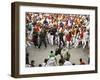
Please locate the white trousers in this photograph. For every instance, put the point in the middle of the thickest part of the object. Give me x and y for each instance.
(76, 43)
(51, 39)
(84, 43)
(28, 44)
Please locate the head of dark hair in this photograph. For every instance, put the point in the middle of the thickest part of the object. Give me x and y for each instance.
(73, 64)
(45, 60)
(51, 52)
(40, 65)
(32, 61)
(80, 59)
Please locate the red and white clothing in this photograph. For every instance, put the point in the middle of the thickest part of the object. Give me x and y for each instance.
(68, 40)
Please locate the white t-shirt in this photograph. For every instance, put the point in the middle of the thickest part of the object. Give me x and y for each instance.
(51, 62)
(67, 63)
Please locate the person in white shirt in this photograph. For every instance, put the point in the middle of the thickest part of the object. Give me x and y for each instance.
(67, 63)
(85, 39)
(77, 40)
(52, 61)
(57, 39)
(74, 40)
(48, 37)
(51, 39)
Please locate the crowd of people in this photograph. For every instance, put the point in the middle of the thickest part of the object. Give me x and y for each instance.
(65, 30)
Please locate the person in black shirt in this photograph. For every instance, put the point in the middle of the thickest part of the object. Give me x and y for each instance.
(35, 39)
(27, 58)
(54, 30)
(61, 34)
(45, 22)
(32, 63)
(42, 38)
